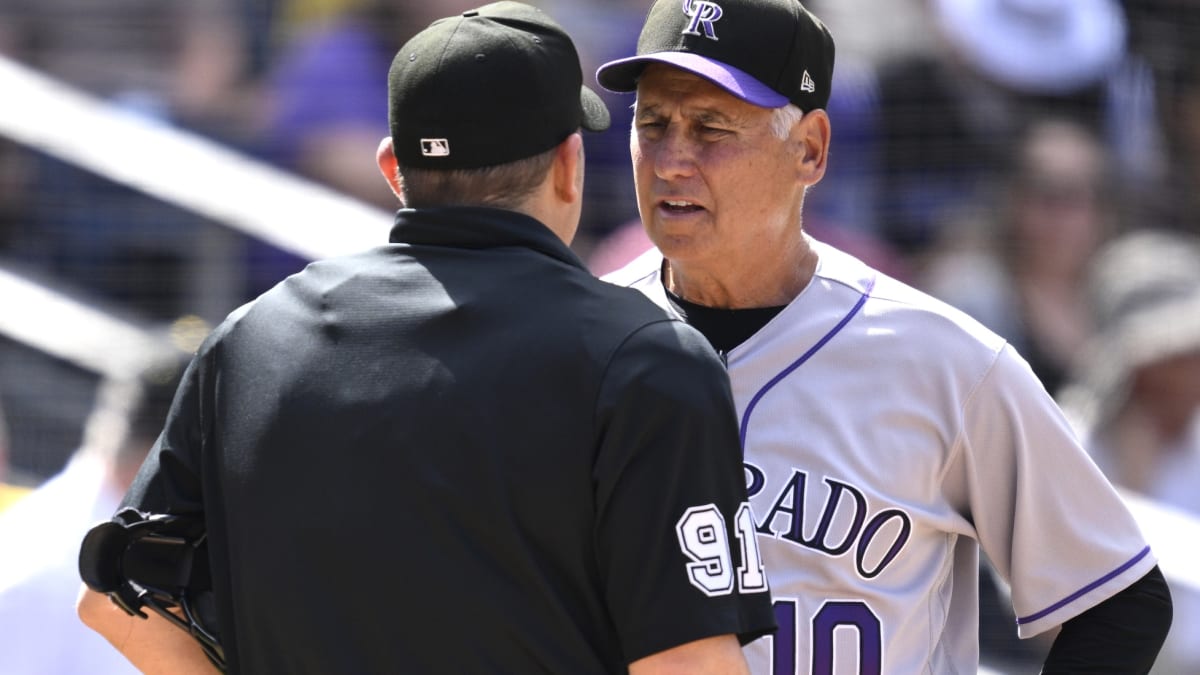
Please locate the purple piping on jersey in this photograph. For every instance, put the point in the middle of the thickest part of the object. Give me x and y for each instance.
(1099, 582)
(800, 361)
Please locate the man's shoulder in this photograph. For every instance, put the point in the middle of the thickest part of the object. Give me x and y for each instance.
(631, 310)
(647, 326)
(641, 279)
(639, 272)
(298, 290)
(910, 315)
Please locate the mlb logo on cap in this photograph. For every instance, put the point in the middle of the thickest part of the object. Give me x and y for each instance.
(435, 147)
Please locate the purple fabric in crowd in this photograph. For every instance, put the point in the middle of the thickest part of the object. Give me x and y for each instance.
(333, 77)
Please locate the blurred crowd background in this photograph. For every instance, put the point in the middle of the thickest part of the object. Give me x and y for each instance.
(1034, 162)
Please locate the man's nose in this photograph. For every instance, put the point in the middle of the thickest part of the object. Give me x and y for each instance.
(675, 154)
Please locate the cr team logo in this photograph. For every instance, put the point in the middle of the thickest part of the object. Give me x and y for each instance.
(704, 13)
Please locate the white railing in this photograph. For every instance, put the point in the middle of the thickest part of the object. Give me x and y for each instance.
(183, 168)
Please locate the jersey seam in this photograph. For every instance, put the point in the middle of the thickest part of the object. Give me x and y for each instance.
(855, 310)
(956, 447)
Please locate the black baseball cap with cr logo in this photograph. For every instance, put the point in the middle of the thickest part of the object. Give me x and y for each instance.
(765, 52)
(491, 86)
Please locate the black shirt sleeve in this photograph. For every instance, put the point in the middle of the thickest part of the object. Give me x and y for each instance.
(168, 481)
(1120, 635)
(672, 515)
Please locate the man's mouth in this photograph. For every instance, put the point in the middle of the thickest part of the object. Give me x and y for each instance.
(680, 206)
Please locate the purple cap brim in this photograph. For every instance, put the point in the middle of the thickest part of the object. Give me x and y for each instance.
(621, 76)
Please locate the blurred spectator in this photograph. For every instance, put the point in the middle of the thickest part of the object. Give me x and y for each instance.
(12, 190)
(325, 113)
(1163, 37)
(951, 113)
(1135, 396)
(177, 60)
(178, 63)
(1023, 272)
(604, 31)
(9, 493)
(40, 633)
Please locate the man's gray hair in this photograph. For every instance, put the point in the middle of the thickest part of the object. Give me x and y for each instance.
(783, 119)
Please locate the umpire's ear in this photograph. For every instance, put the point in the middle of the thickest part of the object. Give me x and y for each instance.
(568, 169)
(390, 167)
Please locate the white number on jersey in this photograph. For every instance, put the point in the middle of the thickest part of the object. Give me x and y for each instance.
(704, 540)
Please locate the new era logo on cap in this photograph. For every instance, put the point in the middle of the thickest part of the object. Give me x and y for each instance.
(807, 84)
(435, 147)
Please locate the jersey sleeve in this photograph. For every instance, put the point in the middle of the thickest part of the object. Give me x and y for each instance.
(1045, 515)
(675, 537)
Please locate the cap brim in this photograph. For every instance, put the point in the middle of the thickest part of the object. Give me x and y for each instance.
(622, 76)
(595, 113)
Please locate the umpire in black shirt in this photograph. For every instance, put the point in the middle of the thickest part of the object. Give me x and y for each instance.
(458, 452)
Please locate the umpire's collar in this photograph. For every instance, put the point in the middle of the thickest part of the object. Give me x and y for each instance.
(478, 227)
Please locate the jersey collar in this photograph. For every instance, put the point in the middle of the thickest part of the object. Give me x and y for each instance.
(475, 227)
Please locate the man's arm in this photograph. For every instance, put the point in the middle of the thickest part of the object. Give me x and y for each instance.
(153, 644)
(719, 655)
(1120, 635)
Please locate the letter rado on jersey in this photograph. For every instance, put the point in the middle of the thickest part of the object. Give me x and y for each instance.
(874, 538)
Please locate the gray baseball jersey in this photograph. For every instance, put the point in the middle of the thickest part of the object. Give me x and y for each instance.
(887, 438)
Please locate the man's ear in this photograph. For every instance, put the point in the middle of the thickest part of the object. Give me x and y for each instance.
(568, 163)
(811, 134)
(389, 167)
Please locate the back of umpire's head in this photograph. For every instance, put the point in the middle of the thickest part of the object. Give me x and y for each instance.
(493, 86)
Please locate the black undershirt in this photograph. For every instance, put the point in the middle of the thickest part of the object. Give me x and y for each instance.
(724, 328)
(1120, 635)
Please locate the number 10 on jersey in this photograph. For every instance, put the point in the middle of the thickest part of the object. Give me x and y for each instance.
(853, 616)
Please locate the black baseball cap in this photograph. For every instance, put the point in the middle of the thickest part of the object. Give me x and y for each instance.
(494, 85)
(765, 52)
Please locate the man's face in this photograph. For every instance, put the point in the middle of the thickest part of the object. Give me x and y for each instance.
(716, 187)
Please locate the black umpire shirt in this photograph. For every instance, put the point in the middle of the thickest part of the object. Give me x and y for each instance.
(459, 453)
